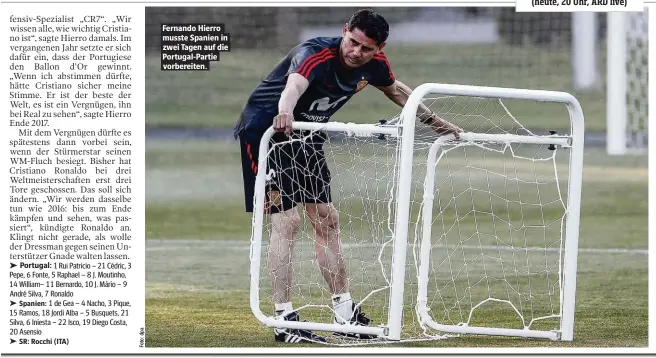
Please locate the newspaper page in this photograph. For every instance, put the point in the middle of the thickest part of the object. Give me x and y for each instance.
(267, 178)
(73, 109)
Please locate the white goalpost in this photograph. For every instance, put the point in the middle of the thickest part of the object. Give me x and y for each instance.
(627, 83)
(442, 237)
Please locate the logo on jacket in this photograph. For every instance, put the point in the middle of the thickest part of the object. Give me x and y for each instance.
(362, 84)
(324, 104)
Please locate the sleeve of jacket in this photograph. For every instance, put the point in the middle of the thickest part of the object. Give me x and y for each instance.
(311, 61)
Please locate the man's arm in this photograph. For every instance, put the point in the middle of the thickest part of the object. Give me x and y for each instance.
(399, 93)
(296, 85)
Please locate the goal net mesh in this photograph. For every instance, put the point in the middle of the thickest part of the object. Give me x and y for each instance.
(637, 67)
(496, 229)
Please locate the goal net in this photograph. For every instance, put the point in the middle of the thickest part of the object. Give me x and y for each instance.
(628, 72)
(476, 236)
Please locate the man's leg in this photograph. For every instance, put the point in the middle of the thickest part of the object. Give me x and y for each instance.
(324, 218)
(328, 249)
(327, 246)
(284, 217)
(285, 224)
(281, 246)
(282, 197)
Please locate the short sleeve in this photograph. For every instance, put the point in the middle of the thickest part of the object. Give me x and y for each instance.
(311, 61)
(383, 75)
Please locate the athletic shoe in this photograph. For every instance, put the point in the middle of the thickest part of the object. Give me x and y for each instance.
(287, 335)
(358, 319)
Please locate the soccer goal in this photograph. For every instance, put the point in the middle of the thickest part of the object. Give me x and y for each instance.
(627, 85)
(442, 238)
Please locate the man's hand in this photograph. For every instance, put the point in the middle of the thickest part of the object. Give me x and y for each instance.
(399, 93)
(283, 123)
(443, 127)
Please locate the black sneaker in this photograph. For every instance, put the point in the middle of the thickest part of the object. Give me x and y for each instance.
(287, 335)
(358, 319)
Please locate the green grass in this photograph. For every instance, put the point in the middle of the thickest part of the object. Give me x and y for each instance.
(215, 98)
(197, 252)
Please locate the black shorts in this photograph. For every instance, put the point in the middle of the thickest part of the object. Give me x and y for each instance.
(301, 173)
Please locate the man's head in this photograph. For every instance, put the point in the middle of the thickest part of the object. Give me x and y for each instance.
(364, 35)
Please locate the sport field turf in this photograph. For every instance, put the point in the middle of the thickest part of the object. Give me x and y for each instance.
(197, 256)
(215, 98)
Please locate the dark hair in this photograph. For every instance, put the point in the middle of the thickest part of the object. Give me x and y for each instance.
(372, 24)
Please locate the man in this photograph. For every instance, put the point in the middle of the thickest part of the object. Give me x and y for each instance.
(310, 84)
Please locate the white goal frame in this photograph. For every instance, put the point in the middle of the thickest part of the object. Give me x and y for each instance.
(392, 330)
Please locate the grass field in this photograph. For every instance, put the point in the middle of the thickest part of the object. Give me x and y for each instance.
(215, 98)
(197, 251)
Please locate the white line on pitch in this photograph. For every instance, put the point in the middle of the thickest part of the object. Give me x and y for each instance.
(245, 246)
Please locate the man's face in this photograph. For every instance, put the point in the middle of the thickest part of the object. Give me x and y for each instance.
(357, 49)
